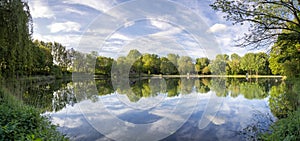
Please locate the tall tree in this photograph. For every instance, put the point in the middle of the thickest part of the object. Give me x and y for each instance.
(185, 65)
(262, 64)
(234, 63)
(173, 58)
(15, 40)
(285, 58)
(167, 67)
(219, 65)
(62, 56)
(103, 65)
(201, 63)
(134, 59)
(248, 62)
(267, 19)
(151, 63)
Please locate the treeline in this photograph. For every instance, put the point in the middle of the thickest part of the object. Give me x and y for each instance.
(136, 63)
(19, 54)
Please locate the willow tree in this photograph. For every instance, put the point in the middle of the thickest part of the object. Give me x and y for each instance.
(15, 40)
(266, 19)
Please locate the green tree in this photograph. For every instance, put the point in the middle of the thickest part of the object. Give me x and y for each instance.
(201, 63)
(234, 63)
(103, 65)
(248, 62)
(173, 58)
(284, 57)
(61, 56)
(134, 59)
(262, 63)
(185, 65)
(267, 19)
(43, 59)
(219, 65)
(15, 38)
(206, 70)
(151, 63)
(167, 67)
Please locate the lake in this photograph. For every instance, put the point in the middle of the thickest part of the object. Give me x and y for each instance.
(162, 109)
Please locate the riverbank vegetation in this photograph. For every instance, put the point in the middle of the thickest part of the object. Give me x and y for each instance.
(22, 122)
(276, 24)
(138, 64)
(21, 58)
(273, 23)
(19, 54)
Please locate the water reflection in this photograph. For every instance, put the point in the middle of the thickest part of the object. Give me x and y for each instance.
(222, 87)
(152, 107)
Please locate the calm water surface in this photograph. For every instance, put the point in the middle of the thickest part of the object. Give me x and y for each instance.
(161, 109)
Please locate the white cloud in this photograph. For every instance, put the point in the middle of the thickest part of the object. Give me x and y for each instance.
(120, 36)
(102, 5)
(72, 10)
(169, 32)
(70, 40)
(161, 25)
(39, 9)
(64, 27)
(217, 28)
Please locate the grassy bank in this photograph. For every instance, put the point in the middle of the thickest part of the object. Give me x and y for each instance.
(286, 129)
(22, 122)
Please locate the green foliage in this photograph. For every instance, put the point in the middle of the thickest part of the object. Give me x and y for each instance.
(167, 67)
(219, 65)
(286, 129)
(267, 19)
(103, 65)
(19, 55)
(284, 98)
(56, 71)
(138, 63)
(151, 63)
(185, 65)
(202, 63)
(234, 64)
(248, 62)
(15, 40)
(284, 58)
(20, 122)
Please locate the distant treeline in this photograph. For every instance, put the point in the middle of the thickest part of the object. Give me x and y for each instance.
(136, 64)
(19, 54)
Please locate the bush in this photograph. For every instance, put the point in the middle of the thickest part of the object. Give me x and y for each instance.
(287, 129)
(21, 122)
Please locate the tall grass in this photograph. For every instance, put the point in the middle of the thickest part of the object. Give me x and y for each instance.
(21, 122)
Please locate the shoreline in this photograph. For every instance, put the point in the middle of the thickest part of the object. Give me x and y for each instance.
(219, 76)
(196, 76)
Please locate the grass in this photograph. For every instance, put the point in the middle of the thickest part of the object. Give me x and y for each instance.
(22, 122)
(286, 129)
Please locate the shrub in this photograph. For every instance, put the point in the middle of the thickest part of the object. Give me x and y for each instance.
(21, 122)
(287, 129)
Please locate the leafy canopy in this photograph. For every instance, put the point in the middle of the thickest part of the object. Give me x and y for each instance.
(267, 19)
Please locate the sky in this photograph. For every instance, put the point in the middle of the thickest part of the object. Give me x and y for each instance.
(113, 27)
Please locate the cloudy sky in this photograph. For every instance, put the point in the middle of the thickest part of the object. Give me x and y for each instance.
(113, 27)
